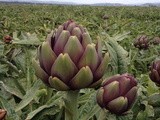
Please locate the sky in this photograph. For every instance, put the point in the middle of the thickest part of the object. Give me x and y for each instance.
(109, 1)
(103, 1)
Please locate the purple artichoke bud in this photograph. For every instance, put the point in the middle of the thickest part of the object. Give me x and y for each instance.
(118, 93)
(68, 60)
(142, 42)
(156, 40)
(2, 114)
(155, 72)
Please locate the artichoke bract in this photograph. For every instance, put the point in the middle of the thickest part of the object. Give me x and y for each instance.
(2, 114)
(155, 72)
(118, 93)
(142, 42)
(69, 60)
(156, 40)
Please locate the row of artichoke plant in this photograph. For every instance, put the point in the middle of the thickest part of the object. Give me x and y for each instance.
(69, 61)
(143, 42)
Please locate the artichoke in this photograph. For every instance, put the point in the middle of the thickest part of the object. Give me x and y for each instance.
(156, 40)
(155, 72)
(2, 114)
(7, 39)
(142, 42)
(118, 93)
(68, 60)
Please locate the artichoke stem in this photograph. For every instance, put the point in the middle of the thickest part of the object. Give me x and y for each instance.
(71, 106)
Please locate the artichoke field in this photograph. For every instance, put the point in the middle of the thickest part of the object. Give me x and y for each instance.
(91, 67)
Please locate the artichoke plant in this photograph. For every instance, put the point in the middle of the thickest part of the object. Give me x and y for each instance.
(156, 40)
(7, 39)
(69, 60)
(118, 93)
(2, 114)
(155, 72)
(142, 42)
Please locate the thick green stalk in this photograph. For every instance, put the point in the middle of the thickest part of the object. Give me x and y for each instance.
(71, 106)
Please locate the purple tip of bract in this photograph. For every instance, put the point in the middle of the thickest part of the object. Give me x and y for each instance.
(2, 114)
(119, 94)
(66, 24)
(66, 56)
(155, 72)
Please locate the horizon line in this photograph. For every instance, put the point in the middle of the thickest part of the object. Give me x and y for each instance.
(78, 3)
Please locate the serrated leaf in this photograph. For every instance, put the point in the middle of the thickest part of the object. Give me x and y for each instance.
(89, 109)
(119, 56)
(8, 64)
(1, 49)
(147, 113)
(3, 68)
(11, 90)
(47, 112)
(120, 37)
(154, 100)
(11, 114)
(141, 116)
(29, 96)
(122, 56)
(86, 94)
(101, 115)
(113, 64)
(111, 117)
(150, 111)
(127, 116)
(26, 39)
(91, 113)
(157, 111)
(45, 108)
(20, 62)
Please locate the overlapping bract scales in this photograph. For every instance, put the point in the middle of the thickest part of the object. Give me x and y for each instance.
(142, 42)
(118, 93)
(156, 41)
(68, 60)
(3, 114)
(155, 72)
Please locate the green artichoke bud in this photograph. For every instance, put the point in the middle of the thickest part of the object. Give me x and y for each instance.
(118, 93)
(68, 60)
(142, 42)
(155, 72)
(2, 114)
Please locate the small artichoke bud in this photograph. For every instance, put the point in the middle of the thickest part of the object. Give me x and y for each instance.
(7, 39)
(118, 93)
(69, 60)
(141, 42)
(156, 41)
(155, 72)
(2, 114)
